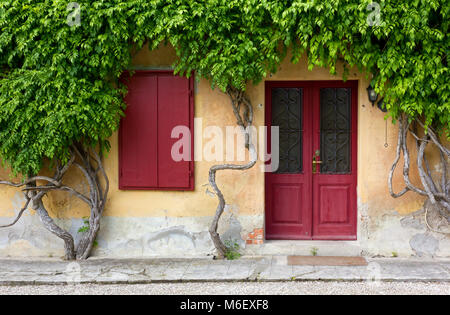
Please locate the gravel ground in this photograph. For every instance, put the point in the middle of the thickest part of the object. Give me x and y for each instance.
(237, 288)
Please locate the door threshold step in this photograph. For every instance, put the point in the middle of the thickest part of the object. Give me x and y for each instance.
(306, 248)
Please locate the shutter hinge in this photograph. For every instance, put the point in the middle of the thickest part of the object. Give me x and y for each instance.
(191, 92)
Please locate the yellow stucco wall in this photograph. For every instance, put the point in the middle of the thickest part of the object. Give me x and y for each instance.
(245, 190)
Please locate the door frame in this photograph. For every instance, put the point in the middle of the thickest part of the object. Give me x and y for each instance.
(353, 84)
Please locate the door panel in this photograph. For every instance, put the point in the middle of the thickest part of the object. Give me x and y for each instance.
(333, 204)
(288, 190)
(285, 223)
(306, 199)
(334, 185)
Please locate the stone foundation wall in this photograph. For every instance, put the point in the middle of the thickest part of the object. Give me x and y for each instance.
(386, 236)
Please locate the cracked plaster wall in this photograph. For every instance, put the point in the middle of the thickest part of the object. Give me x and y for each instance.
(175, 224)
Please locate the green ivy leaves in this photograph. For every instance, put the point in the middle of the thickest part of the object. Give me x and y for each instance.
(60, 84)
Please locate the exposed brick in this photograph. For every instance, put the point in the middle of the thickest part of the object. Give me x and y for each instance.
(256, 237)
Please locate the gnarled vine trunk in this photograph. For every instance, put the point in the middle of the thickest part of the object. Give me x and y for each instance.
(243, 111)
(436, 188)
(89, 162)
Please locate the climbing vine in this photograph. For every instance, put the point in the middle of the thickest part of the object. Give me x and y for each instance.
(59, 78)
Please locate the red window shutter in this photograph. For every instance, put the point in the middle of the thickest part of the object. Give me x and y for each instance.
(157, 102)
(173, 110)
(138, 134)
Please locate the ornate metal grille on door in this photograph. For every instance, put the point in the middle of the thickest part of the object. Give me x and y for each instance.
(287, 114)
(335, 130)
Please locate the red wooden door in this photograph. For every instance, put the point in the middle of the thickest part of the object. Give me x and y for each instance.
(312, 195)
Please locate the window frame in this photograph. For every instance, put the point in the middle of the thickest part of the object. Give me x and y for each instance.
(191, 172)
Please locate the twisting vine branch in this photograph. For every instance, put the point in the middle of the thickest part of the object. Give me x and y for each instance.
(98, 196)
(243, 111)
(25, 207)
(436, 192)
(89, 162)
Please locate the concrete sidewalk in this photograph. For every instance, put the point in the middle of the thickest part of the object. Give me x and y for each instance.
(269, 268)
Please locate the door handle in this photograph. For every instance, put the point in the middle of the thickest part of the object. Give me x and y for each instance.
(315, 161)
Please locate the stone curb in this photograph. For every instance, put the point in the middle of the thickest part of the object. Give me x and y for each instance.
(266, 269)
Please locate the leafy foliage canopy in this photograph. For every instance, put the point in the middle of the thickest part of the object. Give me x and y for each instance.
(60, 83)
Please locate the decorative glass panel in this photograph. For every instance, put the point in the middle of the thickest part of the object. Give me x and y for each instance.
(335, 130)
(287, 112)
